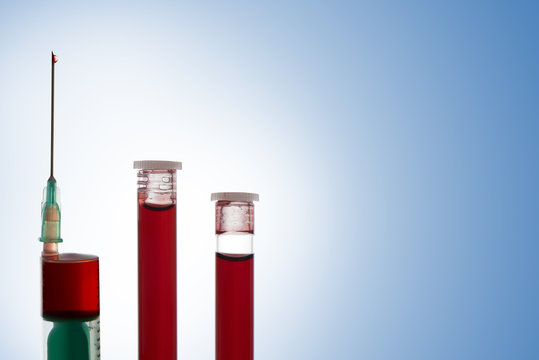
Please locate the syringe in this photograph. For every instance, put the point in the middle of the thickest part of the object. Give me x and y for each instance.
(70, 282)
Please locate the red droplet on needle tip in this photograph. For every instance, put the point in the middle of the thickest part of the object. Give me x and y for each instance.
(55, 58)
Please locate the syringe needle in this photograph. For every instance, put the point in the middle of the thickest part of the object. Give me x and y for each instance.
(54, 59)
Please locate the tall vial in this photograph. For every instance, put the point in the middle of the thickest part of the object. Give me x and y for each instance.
(156, 197)
(234, 272)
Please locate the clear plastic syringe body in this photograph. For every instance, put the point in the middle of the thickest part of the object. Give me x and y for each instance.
(234, 228)
(157, 310)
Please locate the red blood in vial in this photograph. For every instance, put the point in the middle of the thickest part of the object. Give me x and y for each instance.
(234, 307)
(157, 282)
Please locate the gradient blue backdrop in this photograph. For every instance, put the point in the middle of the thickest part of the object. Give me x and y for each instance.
(394, 145)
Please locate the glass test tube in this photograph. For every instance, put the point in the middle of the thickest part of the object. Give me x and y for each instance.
(234, 272)
(157, 259)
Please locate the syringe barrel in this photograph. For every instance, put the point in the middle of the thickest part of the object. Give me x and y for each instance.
(70, 306)
(157, 259)
(234, 272)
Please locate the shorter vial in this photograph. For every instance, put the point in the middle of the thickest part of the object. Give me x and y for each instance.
(234, 228)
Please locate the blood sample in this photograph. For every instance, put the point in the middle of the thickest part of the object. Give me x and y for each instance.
(70, 287)
(234, 303)
(234, 307)
(157, 259)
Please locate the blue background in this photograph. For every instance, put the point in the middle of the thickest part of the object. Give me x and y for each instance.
(394, 145)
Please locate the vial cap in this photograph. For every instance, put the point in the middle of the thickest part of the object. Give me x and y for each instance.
(157, 165)
(234, 196)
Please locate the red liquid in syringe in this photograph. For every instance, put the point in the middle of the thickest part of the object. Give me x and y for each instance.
(157, 281)
(70, 286)
(234, 307)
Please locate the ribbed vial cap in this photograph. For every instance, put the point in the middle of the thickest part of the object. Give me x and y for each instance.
(157, 165)
(235, 196)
